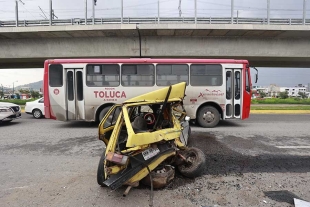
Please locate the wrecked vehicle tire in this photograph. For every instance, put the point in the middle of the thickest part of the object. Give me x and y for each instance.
(195, 165)
(189, 141)
(161, 177)
(100, 171)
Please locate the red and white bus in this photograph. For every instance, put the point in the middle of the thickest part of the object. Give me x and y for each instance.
(84, 89)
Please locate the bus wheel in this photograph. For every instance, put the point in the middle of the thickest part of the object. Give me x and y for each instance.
(103, 112)
(208, 117)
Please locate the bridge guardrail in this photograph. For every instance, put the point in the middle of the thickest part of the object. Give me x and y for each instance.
(155, 20)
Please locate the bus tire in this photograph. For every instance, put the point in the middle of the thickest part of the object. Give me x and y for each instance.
(103, 112)
(208, 117)
(100, 171)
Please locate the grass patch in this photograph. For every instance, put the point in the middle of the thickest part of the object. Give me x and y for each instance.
(281, 101)
(280, 107)
(16, 101)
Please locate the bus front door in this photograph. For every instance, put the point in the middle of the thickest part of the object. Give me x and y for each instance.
(233, 94)
(74, 94)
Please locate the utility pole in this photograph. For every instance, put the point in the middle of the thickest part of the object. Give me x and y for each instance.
(195, 11)
(158, 12)
(85, 12)
(268, 11)
(180, 9)
(13, 86)
(94, 4)
(232, 11)
(304, 12)
(16, 14)
(2, 94)
(122, 11)
(16, 10)
(51, 12)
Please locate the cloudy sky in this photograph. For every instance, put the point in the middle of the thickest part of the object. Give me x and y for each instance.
(19, 76)
(148, 8)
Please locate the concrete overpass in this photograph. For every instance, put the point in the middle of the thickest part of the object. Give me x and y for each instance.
(262, 45)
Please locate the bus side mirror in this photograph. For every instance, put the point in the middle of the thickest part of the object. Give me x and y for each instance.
(256, 75)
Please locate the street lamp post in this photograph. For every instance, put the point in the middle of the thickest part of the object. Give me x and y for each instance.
(85, 12)
(13, 86)
(2, 94)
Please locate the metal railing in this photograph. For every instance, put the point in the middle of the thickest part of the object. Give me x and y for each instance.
(155, 20)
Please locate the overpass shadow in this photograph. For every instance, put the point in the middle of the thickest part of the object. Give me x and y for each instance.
(78, 124)
(230, 123)
(222, 123)
(8, 124)
(222, 160)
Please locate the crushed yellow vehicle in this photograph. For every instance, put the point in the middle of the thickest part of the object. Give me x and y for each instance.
(146, 139)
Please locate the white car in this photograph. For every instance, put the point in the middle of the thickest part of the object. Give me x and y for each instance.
(36, 108)
(7, 114)
(9, 111)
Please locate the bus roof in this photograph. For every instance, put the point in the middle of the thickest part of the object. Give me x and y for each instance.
(144, 60)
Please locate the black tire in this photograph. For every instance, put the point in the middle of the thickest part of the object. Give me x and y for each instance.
(197, 165)
(189, 132)
(189, 136)
(37, 113)
(103, 113)
(100, 171)
(208, 117)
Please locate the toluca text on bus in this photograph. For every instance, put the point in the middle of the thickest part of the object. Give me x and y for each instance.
(85, 89)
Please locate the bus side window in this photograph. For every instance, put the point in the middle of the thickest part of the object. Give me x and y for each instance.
(138, 75)
(168, 74)
(206, 75)
(55, 75)
(102, 75)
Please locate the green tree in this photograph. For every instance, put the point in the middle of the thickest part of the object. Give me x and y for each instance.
(262, 94)
(34, 94)
(24, 91)
(17, 95)
(302, 94)
(283, 95)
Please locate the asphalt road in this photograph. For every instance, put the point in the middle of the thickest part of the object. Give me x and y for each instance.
(263, 161)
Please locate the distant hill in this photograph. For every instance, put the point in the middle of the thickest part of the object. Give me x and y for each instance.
(35, 86)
